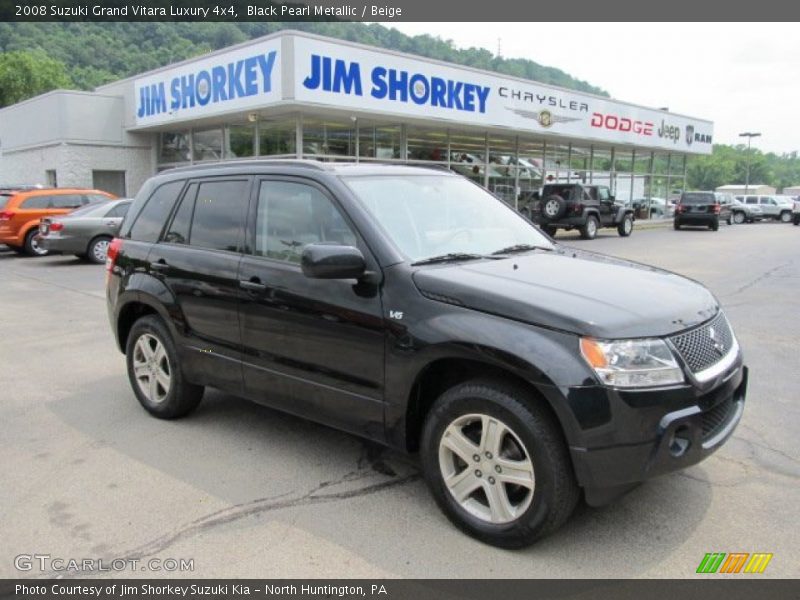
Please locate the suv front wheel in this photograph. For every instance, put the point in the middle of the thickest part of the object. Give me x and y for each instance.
(497, 465)
(154, 371)
(625, 227)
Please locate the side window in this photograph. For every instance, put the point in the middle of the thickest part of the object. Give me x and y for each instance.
(37, 202)
(150, 221)
(119, 211)
(603, 194)
(178, 232)
(218, 215)
(587, 195)
(752, 200)
(66, 201)
(292, 215)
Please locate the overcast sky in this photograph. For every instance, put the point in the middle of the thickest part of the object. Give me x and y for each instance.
(744, 77)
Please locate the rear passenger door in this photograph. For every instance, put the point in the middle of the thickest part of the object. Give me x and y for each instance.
(312, 347)
(197, 258)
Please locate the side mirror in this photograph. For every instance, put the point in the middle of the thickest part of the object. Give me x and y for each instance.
(329, 261)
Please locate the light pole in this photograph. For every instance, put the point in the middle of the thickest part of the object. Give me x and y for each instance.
(749, 135)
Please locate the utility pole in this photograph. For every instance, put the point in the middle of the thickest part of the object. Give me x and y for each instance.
(749, 135)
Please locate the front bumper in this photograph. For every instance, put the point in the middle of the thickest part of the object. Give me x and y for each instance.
(685, 426)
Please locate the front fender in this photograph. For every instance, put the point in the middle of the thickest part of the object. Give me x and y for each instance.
(548, 360)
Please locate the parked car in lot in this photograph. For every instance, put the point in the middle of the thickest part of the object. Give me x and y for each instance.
(21, 211)
(772, 207)
(655, 207)
(745, 213)
(85, 232)
(582, 207)
(411, 307)
(701, 209)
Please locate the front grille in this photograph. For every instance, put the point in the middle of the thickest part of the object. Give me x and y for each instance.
(705, 345)
(716, 419)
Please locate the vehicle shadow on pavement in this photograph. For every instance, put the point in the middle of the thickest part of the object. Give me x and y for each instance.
(257, 461)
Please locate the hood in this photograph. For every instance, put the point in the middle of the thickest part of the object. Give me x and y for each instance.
(576, 291)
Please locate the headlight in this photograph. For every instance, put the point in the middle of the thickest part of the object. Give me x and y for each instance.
(632, 363)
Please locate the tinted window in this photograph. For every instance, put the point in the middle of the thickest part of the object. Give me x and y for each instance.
(119, 211)
(565, 191)
(603, 194)
(291, 215)
(66, 201)
(178, 232)
(3, 199)
(697, 198)
(151, 218)
(218, 212)
(752, 200)
(36, 202)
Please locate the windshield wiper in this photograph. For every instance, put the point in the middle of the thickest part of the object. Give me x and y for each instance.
(519, 248)
(449, 257)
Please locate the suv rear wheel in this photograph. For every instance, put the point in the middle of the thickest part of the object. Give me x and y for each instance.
(589, 229)
(738, 217)
(32, 247)
(497, 465)
(154, 371)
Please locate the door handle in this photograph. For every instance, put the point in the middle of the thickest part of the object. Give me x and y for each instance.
(252, 285)
(110, 224)
(160, 265)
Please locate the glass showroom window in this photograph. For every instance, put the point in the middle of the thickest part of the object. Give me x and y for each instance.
(502, 168)
(329, 138)
(530, 153)
(207, 144)
(174, 147)
(426, 145)
(379, 142)
(241, 141)
(278, 138)
(468, 155)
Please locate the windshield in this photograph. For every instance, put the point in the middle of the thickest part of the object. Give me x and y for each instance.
(434, 215)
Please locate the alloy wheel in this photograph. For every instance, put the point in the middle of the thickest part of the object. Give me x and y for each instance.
(486, 468)
(151, 368)
(100, 250)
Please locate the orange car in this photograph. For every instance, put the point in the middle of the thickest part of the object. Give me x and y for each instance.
(21, 209)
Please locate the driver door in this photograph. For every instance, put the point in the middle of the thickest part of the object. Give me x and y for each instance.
(312, 347)
(607, 207)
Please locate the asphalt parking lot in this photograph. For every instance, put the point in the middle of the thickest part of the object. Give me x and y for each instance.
(247, 491)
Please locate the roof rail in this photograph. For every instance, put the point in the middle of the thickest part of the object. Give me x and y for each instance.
(297, 162)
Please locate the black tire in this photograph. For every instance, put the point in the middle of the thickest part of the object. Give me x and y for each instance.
(550, 230)
(785, 216)
(553, 207)
(625, 227)
(555, 492)
(739, 217)
(589, 228)
(796, 219)
(31, 247)
(714, 225)
(182, 397)
(676, 225)
(93, 250)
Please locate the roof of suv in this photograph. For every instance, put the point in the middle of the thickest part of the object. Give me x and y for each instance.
(311, 165)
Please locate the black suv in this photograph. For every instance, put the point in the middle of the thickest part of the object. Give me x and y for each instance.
(582, 207)
(702, 208)
(411, 307)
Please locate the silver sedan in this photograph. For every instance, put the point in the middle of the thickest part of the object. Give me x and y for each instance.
(85, 232)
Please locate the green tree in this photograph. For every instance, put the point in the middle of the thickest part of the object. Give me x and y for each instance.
(24, 74)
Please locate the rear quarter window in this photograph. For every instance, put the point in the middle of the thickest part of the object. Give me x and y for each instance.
(36, 202)
(4, 200)
(151, 219)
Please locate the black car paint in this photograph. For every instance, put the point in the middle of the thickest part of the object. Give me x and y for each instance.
(353, 354)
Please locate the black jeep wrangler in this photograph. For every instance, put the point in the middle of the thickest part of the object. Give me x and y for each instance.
(583, 207)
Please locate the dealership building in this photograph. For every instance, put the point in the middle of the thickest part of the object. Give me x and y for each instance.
(298, 95)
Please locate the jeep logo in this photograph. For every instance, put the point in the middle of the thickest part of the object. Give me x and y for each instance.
(670, 132)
